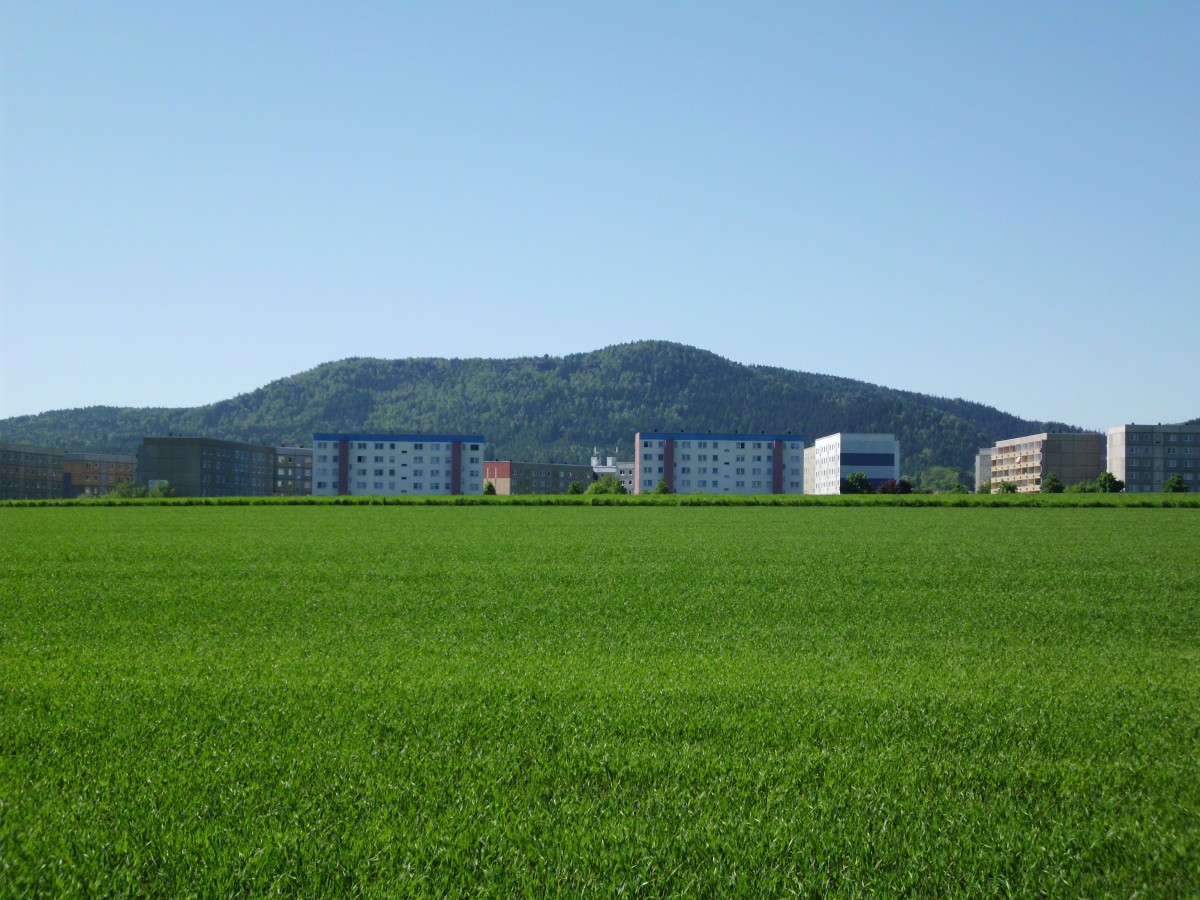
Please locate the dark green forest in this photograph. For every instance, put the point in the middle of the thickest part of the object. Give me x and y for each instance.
(554, 409)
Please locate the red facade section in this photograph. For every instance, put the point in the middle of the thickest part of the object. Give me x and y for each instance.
(777, 468)
(497, 469)
(343, 467)
(456, 468)
(669, 464)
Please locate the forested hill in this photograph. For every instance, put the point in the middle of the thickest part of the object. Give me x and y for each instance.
(552, 408)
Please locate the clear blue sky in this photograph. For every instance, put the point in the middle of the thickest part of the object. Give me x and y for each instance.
(995, 201)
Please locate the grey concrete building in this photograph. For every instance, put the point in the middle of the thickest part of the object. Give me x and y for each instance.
(206, 467)
(535, 478)
(30, 472)
(293, 471)
(1145, 456)
(983, 467)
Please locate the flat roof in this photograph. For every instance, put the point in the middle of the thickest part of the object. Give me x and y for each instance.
(355, 436)
(714, 436)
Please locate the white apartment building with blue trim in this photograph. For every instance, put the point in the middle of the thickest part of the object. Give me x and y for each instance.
(695, 462)
(397, 464)
(833, 457)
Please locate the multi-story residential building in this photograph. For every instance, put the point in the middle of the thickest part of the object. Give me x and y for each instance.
(625, 474)
(833, 457)
(719, 463)
(1145, 456)
(397, 464)
(622, 471)
(535, 478)
(95, 474)
(30, 472)
(983, 467)
(206, 467)
(1025, 461)
(293, 471)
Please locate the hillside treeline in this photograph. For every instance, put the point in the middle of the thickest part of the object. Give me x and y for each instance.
(553, 409)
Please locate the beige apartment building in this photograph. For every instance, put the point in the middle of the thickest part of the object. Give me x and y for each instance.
(1025, 461)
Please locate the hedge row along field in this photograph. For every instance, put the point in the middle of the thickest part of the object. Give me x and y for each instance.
(1006, 501)
(506, 700)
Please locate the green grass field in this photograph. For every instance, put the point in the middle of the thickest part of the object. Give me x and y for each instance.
(503, 700)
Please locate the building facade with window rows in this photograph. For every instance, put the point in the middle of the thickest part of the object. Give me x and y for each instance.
(719, 463)
(397, 464)
(95, 474)
(1146, 456)
(831, 458)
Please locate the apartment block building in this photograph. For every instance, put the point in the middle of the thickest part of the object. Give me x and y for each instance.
(535, 478)
(833, 457)
(30, 472)
(983, 467)
(1025, 461)
(397, 464)
(207, 467)
(95, 474)
(1145, 456)
(719, 463)
(293, 471)
(622, 471)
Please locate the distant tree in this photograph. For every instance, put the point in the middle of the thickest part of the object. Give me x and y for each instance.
(575, 488)
(607, 484)
(1051, 484)
(127, 489)
(662, 487)
(1008, 487)
(939, 478)
(889, 487)
(904, 486)
(857, 483)
(985, 488)
(1108, 483)
(1176, 485)
(959, 488)
(161, 489)
(489, 488)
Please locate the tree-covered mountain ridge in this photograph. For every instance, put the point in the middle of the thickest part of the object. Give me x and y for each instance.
(553, 409)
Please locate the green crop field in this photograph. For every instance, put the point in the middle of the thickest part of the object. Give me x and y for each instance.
(503, 700)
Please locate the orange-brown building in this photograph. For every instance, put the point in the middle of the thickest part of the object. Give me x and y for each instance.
(95, 474)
